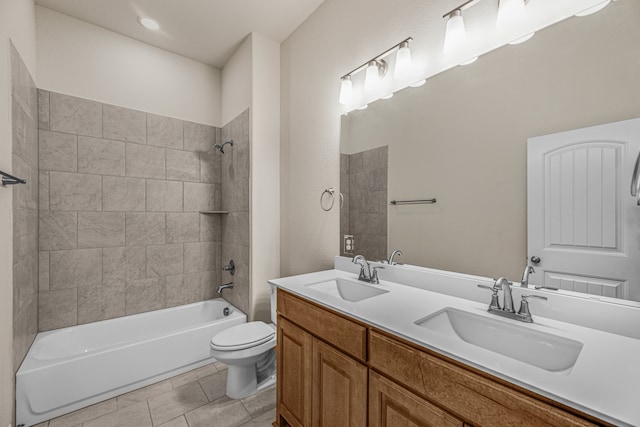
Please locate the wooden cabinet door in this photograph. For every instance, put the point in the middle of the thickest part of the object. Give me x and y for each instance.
(339, 388)
(391, 405)
(294, 374)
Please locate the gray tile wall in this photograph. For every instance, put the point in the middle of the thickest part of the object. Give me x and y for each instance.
(24, 113)
(120, 192)
(363, 180)
(235, 199)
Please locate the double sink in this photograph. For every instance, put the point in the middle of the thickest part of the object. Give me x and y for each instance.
(521, 342)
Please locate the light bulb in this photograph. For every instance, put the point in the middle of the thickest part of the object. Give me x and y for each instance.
(403, 62)
(455, 34)
(510, 14)
(376, 70)
(346, 91)
(594, 9)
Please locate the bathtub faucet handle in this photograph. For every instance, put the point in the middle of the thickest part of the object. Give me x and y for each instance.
(231, 267)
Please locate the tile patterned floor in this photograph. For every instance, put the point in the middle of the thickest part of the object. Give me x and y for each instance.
(193, 399)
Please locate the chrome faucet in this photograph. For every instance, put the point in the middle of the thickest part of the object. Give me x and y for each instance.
(367, 274)
(507, 298)
(523, 315)
(397, 252)
(222, 287)
(525, 276)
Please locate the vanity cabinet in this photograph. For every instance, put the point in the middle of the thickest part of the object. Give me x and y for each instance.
(337, 371)
(321, 382)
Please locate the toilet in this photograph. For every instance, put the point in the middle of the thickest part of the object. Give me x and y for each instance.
(249, 351)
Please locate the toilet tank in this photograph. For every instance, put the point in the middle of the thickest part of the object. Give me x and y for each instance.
(274, 305)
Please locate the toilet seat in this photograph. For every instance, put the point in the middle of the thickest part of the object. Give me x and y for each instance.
(239, 337)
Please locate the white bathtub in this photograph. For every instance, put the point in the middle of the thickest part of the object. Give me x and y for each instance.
(67, 369)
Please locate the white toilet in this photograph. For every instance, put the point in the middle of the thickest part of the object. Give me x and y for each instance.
(249, 351)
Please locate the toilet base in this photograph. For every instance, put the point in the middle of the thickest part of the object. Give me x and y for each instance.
(243, 380)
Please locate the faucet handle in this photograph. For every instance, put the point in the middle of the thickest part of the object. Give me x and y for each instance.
(526, 297)
(549, 288)
(495, 304)
(524, 305)
(374, 274)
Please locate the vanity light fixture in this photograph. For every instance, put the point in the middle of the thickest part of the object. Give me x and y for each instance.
(455, 33)
(402, 68)
(376, 69)
(346, 90)
(510, 14)
(594, 9)
(148, 23)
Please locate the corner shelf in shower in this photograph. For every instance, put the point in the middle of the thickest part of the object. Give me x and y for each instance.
(214, 212)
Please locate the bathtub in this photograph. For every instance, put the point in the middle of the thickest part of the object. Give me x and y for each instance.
(70, 368)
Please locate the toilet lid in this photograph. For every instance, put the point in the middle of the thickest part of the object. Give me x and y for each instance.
(242, 336)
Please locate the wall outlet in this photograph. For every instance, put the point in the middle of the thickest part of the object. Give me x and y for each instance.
(349, 244)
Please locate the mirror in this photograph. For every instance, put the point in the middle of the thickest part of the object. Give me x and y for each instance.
(462, 139)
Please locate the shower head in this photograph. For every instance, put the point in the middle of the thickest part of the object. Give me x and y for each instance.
(220, 147)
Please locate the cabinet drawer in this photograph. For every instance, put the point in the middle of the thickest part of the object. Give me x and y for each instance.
(474, 398)
(344, 334)
(392, 405)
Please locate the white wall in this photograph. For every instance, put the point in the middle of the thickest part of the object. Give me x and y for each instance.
(236, 82)
(80, 59)
(265, 172)
(17, 22)
(336, 38)
(251, 78)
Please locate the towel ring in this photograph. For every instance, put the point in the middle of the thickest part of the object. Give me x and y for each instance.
(330, 192)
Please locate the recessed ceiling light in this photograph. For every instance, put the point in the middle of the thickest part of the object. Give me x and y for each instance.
(148, 23)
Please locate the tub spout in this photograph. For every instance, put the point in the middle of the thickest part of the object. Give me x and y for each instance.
(222, 287)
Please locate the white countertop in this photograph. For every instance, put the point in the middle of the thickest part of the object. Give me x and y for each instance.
(603, 382)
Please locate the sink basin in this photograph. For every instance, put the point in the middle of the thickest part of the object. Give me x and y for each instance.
(349, 290)
(546, 351)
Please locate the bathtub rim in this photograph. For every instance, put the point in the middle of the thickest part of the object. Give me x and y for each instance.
(31, 363)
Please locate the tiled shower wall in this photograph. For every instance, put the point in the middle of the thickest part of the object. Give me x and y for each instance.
(235, 199)
(120, 192)
(363, 182)
(24, 112)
